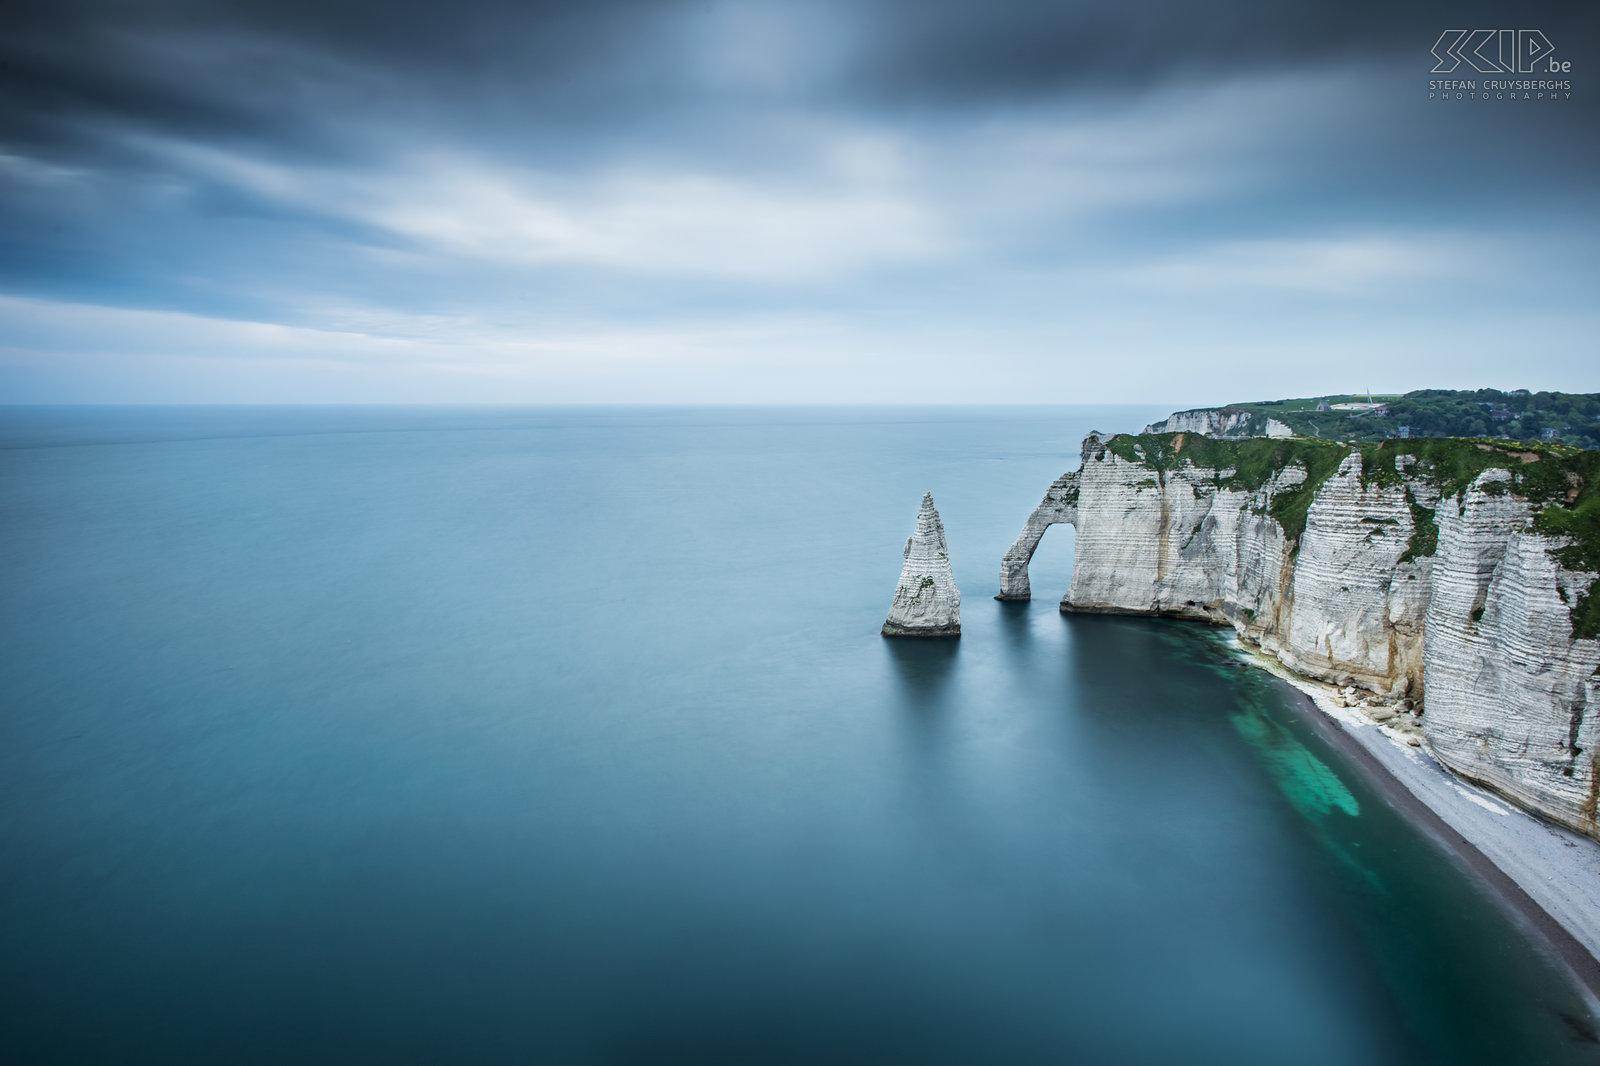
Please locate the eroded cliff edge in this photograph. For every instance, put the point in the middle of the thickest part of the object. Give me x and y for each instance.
(1459, 574)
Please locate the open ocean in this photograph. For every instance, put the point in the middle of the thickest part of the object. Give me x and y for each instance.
(337, 735)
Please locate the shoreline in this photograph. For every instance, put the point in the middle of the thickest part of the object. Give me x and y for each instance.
(1546, 875)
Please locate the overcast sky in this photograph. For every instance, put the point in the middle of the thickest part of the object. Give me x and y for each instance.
(874, 200)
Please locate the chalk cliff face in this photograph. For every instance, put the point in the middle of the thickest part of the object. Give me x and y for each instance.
(1224, 423)
(926, 601)
(1513, 701)
(1407, 569)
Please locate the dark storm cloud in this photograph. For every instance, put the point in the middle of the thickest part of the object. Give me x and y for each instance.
(304, 74)
(108, 87)
(74, 72)
(974, 51)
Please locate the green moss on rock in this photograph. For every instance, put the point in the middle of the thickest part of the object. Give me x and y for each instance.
(1246, 465)
(1424, 532)
(1561, 480)
(1573, 513)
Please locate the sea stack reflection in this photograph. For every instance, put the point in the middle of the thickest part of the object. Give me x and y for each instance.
(926, 602)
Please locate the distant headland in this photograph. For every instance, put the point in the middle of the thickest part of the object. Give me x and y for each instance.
(1570, 417)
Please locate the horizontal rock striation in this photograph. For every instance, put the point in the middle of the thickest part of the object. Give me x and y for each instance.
(926, 601)
(1409, 569)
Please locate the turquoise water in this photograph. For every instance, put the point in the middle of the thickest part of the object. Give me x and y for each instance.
(568, 736)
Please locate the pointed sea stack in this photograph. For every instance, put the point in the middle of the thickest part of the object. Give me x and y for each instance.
(926, 602)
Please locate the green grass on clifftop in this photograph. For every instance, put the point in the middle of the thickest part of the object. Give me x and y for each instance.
(1520, 415)
(1577, 515)
(1561, 481)
(1243, 465)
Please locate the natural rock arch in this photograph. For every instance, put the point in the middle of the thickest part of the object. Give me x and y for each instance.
(1060, 505)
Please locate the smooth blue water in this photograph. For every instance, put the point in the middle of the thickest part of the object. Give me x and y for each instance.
(568, 736)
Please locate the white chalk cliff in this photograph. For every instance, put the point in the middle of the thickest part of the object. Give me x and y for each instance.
(926, 601)
(1392, 579)
(1223, 423)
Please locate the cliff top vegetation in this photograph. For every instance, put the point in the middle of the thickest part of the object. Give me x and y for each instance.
(1520, 415)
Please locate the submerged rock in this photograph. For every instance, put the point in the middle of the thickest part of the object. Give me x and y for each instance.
(926, 602)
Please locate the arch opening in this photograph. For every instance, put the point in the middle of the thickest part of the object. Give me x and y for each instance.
(1050, 569)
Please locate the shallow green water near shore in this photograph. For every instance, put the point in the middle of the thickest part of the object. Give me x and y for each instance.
(568, 736)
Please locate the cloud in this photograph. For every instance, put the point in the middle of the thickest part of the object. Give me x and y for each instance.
(93, 353)
(1105, 341)
(761, 198)
(639, 222)
(1354, 265)
(858, 197)
(311, 78)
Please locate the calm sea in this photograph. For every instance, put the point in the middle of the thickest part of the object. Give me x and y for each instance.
(567, 736)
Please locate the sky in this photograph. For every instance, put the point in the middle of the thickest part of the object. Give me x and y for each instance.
(872, 201)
